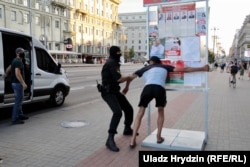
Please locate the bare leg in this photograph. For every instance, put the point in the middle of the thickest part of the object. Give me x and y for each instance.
(137, 124)
(160, 122)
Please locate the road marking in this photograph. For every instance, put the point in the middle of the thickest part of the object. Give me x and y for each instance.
(82, 87)
(77, 88)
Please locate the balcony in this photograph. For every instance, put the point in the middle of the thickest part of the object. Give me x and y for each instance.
(59, 4)
(116, 22)
(70, 32)
(84, 12)
(116, 1)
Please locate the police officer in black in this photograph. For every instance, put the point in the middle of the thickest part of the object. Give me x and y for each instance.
(116, 100)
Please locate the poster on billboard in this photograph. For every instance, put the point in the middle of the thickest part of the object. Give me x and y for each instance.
(187, 54)
(179, 20)
(201, 23)
(172, 47)
(175, 38)
(166, 2)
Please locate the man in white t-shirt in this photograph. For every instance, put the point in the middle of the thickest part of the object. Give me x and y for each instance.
(155, 75)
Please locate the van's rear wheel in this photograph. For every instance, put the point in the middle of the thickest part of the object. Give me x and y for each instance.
(58, 97)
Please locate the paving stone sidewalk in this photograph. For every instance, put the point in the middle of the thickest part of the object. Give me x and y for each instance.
(43, 142)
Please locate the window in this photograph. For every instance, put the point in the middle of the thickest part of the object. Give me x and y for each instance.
(72, 2)
(47, 9)
(20, 17)
(74, 26)
(20, 1)
(57, 24)
(1, 13)
(66, 26)
(57, 11)
(13, 15)
(80, 29)
(25, 2)
(63, 12)
(45, 62)
(26, 18)
(37, 20)
(37, 5)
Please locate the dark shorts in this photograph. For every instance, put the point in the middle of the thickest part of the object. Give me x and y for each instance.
(156, 92)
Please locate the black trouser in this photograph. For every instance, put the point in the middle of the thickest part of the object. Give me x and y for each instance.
(118, 102)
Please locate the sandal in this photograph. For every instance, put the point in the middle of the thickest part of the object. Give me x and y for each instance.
(132, 145)
(160, 141)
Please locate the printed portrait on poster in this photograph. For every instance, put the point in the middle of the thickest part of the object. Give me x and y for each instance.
(157, 48)
(191, 14)
(172, 46)
(184, 16)
(169, 17)
(176, 16)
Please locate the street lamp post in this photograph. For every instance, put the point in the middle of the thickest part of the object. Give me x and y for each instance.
(44, 3)
(214, 29)
(30, 17)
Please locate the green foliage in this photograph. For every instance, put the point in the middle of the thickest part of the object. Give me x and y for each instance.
(128, 55)
(131, 52)
(211, 57)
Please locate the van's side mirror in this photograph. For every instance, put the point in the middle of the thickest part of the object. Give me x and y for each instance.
(59, 65)
(58, 70)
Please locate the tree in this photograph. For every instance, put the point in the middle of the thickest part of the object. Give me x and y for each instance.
(131, 53)
(211, 57)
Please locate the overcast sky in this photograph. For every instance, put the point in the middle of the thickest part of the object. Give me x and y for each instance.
(225, 15)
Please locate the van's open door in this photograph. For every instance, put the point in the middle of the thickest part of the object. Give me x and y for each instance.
(10, 42)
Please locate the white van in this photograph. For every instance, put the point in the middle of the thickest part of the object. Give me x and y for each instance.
(45, 78)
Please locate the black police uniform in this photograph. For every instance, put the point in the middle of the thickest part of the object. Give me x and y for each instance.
(114, 98)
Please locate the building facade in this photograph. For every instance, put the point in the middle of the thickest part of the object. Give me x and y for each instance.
(241, 43)
(133, 33)
(88, 27)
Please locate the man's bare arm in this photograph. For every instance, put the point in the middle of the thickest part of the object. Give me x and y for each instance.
(192, 69)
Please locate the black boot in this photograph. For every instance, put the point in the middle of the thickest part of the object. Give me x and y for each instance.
(128, 131)
(111, 143)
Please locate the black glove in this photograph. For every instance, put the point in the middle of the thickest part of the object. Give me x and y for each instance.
(99, 86)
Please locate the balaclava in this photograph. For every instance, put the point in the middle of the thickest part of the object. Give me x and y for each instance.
(113, 53)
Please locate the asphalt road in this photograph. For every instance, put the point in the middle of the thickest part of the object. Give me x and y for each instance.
(83, 89)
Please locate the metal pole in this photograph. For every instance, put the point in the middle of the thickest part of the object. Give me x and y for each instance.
(206, 78)
(30, 13)
(214, 41)
(45, 40)
(44, 2)
(149, 116)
